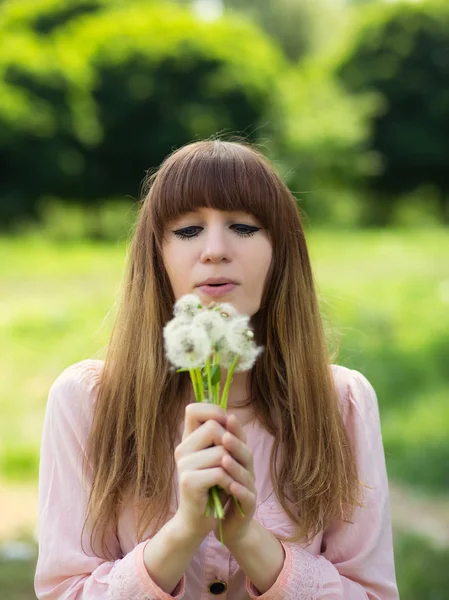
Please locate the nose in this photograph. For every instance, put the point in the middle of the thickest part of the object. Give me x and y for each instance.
(216, 249)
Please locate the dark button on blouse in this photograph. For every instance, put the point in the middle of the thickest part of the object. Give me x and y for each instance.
(217, 587)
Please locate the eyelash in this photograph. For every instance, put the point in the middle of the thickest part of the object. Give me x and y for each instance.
(182, 236)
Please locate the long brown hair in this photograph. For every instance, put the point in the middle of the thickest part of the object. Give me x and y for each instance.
(131, 441)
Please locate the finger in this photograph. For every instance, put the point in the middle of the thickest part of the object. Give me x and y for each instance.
(237, 472)
(246, 497)
(197, 413)
(238, 450)
(208, 434)
(203, 459)
(205, 479)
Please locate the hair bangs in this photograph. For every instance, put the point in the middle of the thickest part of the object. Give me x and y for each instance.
(217, 175)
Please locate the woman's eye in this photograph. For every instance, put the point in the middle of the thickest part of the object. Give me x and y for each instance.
(246, 230)
(187, 233)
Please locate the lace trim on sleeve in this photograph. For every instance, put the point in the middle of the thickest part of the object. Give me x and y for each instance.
(300, 578)
(130, 579)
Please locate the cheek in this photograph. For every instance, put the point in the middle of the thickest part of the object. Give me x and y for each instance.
(261, 262)
(176, 262)
(257, 266)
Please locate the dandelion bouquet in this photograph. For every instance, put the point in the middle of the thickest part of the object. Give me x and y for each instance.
(202, 340)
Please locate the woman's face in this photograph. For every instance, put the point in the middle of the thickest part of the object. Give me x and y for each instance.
(212, 243)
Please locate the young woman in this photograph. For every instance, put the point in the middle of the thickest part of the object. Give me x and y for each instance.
(128, 455)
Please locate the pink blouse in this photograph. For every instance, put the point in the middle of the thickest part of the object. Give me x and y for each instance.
(345, 562)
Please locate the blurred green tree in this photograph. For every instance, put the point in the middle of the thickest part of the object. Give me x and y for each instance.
(299, 28)
(32, 99)
(93, 104)
(401, 51)
(321, 142)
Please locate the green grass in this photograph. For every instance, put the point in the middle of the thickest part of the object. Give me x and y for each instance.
(421, 569)
(386, 291)
(54, 306)
(16, 579)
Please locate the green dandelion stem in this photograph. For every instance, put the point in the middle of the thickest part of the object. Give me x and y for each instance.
(217, 387)
(239, 506)
(217, 502)
(200, 383)
(224, 398)
(209, 380)
(218, 509)
(194, 384)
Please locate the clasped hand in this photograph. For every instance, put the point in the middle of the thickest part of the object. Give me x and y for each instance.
(240, 466)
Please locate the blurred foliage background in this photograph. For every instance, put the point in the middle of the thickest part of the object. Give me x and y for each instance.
(349, 99)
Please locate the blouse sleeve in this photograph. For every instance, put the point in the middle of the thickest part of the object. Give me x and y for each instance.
(67, 568)
(357, 561)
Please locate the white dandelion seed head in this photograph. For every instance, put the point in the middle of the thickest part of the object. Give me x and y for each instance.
(171, 328)
(239, 335)
(227, 357)
(188, 306)
(240, 341)
(213, 324)
(226, 310)
(187, 345)
(221, 345)
(247, 360)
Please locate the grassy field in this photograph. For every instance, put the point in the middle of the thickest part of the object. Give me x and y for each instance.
(386, 292)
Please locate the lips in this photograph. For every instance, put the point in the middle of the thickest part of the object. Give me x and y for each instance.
(217, 289)
(216, 281)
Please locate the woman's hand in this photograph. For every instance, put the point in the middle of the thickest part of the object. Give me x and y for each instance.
(239, 465)
(198, 458)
